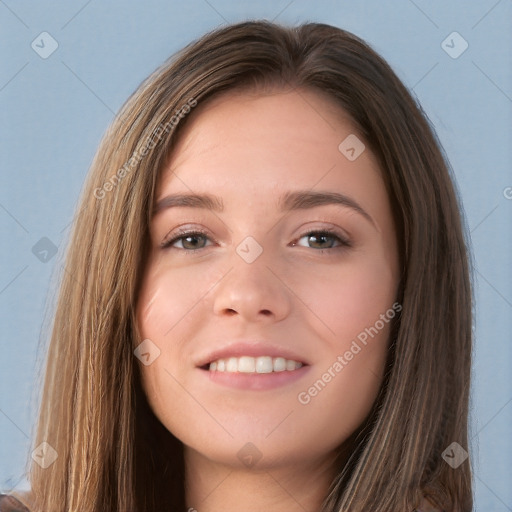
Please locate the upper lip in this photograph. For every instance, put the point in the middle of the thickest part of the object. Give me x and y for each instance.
(250, 348)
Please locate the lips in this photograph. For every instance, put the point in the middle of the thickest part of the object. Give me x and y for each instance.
(243, 356)
(248, 352)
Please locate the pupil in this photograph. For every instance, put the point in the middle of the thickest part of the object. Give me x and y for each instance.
(194, 240)
(319, 239)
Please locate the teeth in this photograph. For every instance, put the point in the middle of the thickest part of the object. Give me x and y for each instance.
(232, 364)
(247, 364)
(290, 365)
(264, 364)
(280, 364)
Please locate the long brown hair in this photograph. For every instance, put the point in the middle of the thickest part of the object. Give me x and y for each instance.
(113, 453)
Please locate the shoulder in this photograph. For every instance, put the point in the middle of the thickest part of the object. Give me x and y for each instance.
(9, 503)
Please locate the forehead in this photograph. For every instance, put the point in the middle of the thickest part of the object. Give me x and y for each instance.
(300, 115)
(252, 148)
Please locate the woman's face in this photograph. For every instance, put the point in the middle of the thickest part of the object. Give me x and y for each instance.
(289, 287)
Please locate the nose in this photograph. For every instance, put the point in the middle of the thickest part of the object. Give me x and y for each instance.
(253, 291)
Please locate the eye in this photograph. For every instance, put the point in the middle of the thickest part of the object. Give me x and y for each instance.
(195, 240)
(324, 239)
(190, 240)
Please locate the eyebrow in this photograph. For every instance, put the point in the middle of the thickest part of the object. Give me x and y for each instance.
(304, 199)
(290, 201)
(206, 201)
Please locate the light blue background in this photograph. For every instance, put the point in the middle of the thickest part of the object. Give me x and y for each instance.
(55, 110)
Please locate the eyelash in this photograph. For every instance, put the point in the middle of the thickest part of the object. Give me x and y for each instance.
(344, 243)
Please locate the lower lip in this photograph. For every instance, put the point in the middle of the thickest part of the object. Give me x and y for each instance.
(255, 381)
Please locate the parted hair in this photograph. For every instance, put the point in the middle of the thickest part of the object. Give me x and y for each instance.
(113, 453)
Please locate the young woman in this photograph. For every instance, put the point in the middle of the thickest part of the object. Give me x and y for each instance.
(267, 301)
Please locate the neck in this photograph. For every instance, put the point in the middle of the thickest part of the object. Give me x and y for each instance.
(297, 487)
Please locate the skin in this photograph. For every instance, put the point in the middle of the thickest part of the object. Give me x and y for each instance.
(314, 297)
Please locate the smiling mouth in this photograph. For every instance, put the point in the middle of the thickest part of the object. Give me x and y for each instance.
(248, 364)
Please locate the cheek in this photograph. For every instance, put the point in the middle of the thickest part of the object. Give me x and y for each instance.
(347, 298)
(170, 312)
(169, 295)
(340, 396)
(358, 309)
